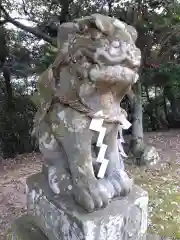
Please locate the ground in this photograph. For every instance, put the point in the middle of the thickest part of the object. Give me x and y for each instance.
(163, 184)
(161, 181)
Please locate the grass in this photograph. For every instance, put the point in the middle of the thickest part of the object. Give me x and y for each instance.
(163, 186)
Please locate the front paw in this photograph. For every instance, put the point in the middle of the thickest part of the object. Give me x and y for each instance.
(90, 194)
(121, 182)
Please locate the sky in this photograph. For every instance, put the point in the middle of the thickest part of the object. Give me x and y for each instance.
(14, 14)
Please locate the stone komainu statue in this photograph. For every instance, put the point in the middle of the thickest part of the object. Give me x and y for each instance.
(96, 64)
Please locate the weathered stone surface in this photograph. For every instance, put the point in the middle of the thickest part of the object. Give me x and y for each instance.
(150, 156)
(144, 155)
(96, 65)
(59, 217)
(23, 229)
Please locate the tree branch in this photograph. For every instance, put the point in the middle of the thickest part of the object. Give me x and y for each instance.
(65, 11)
(2, 22)
(110, 4)
(31, 30)
(24, 8)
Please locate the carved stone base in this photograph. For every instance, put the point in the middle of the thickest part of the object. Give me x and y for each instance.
(60, 218)
(23, 229)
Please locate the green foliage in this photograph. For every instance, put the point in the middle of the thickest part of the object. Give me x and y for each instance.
(46, 56)
(162, 108)
(172, 71)
(16, 126)
(162, 75)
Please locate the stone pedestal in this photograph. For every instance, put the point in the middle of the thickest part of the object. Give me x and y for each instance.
(59, 218)
(24, 229)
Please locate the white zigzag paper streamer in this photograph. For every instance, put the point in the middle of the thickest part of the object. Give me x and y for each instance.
(96, 125)
(125, 125)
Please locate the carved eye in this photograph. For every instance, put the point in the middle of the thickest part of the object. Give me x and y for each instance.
(116, 44)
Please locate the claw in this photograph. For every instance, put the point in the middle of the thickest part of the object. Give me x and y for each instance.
(121, 183)
(91, 196)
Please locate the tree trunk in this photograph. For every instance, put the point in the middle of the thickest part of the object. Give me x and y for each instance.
(9, 91)
(157, 115)
(65, 16)
(165, 106)
(150, 112)
(137, 122)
